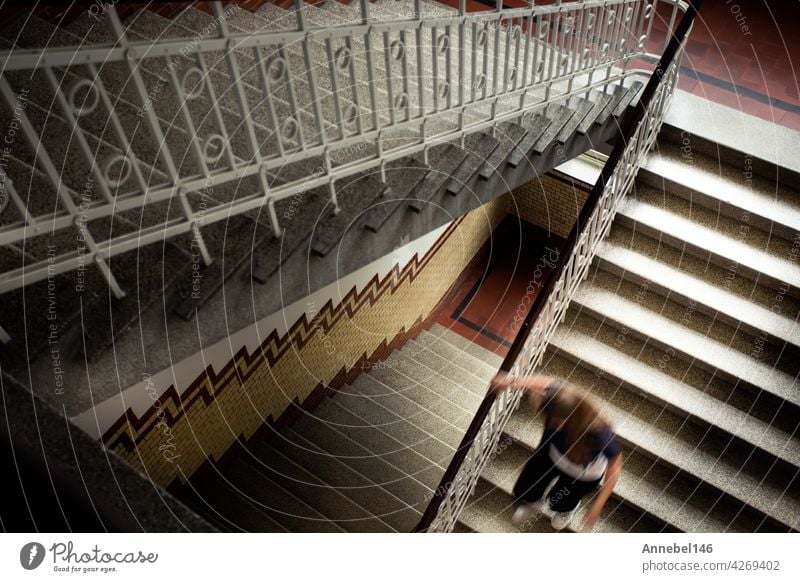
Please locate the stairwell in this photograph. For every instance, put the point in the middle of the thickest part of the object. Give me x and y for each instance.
(367, 459)
(242, 247)
(686, 334)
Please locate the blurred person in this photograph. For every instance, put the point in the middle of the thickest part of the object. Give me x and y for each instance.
(578, 450)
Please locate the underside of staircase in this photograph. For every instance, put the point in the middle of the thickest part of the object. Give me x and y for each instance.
(418, 196)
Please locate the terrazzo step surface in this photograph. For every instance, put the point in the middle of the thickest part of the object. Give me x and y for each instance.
(365, 459)
(695, 238)
(647, 379)
(684, 287)
(688, 343)
(735, 192)
(709, 457)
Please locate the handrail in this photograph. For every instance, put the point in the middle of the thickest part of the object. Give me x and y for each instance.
(299, 97)
(627, 137)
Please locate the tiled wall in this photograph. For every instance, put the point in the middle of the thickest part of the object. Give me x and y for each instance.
(551, 202)
(183, 430)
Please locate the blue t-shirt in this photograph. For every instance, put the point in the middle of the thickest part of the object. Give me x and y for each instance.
(603, 442)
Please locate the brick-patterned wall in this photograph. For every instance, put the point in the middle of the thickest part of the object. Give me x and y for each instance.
(552, 202)
(184, 430)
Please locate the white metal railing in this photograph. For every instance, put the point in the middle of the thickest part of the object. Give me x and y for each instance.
(490, 421)
(345, 98)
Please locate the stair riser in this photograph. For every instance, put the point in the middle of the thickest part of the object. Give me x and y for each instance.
(674, 352)
(703, 254)
(663, 183)
(678, 136)
(639, 392)
(793, 350)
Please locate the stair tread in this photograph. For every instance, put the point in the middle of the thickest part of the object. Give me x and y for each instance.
(617, 93)
(262, 495)
(361, 459)
(580, 111)
(756, 197)
(639, 486)
(559, 116)
(443, 160)
(708, 240)
(722, 472)
(467, 375)
(627, 98)
(220, 504)
(601, 100)
(381, 443)
(695, 345)
(508, 135)
(679, 395)
(535, 125)
(402, 178)
(371, 496)
(355, 194)
(478, 147)
(276, 464)
(431, 416)
(676, 281)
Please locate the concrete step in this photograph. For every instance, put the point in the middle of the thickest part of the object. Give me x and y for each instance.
(475, 380)
(725, 276)
(275, 462)
(478, 147)
(645, 378)
(443, 160)
(381, 443)
(734, 192)
(354, 485)
(707, 456)
(465, 345)
(362, 460)
(687, 343)
(221, 505)
(704, 242)
(707, 297)
(433, 418)
(242, 495)
(403, 177)
(508, 135)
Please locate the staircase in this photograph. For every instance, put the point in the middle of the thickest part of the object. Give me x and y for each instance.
(674, 333)
(367, 459)
(686, 334)
(227, 247)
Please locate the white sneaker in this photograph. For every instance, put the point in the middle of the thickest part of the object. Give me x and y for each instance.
(526, 510)
(563, 518)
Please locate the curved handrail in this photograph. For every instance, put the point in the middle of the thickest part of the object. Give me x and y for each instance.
(578, 230)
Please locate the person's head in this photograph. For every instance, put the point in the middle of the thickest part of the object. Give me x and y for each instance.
(571, 410)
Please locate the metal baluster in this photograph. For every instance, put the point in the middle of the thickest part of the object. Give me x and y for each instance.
(205, 74)
(266, 82)
(406, 84)
(387, 63)
(183, 99)
(49, 170)
(72, 118)
(368, 50)
(311, 77)
(448, 63)
(435, 66)
(153, 123)
(337, 104)
(420, 59)
(526, 60)
(233, 65)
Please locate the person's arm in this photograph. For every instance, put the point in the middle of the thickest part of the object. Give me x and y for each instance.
(612, 475)
(536, 384)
